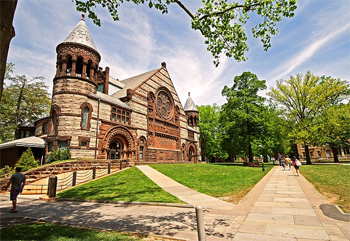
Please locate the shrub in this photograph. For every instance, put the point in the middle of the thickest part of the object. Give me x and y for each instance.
(6, 171)
(27, 161)
(59, 155)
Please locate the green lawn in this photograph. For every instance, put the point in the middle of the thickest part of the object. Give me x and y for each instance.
(55, 232)
(332, 181)
(217, 180)
(128, 185)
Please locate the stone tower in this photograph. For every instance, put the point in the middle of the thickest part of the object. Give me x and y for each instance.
(191, 113)
(78, 78)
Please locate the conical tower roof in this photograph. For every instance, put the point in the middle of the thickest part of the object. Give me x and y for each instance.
(81, 35)
(189, 105)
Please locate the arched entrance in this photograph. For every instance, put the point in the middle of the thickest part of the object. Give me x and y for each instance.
(118, 143)
(191, 152)
(114, 150)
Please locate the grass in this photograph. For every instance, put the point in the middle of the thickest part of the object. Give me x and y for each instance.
(332, 181)
(232, 181)
(53, 232)
(128, 185)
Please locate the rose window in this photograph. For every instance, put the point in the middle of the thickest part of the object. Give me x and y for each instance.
(163, 104)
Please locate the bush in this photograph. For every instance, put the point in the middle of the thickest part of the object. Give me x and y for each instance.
(27, 161)
(6, 171)
(59, 155)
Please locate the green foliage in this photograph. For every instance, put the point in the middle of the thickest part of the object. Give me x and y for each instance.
(334, 126)
(27, 161)
(211, 133)
(303, 99)
(59, 155)
(243, 113)
(222, 23)
(6, 171)
(128, 185)
(58, 232)
(23, 102)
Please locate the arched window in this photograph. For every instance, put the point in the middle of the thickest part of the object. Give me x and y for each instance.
(85, 117)
(88, 69)
(79, 67)
(142, 148)
(86, 111)
(55, 112)
(69, 65)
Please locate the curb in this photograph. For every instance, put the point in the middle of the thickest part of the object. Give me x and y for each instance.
(127, 203)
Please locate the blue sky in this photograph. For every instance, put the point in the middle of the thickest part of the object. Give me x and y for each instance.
(317, 38)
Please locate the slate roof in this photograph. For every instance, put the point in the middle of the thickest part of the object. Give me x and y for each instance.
(81, 35)
(32, 141)
(133, 82)
(111, 100)
(189, 105)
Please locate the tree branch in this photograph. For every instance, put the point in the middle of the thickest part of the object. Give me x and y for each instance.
(229, 9)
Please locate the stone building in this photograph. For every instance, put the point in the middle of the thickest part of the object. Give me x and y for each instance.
(96, 116)
(323, 152)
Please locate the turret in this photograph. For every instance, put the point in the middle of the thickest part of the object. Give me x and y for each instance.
(191, 112)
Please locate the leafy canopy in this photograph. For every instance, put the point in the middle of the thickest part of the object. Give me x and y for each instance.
(23, 102)
(243, 112)
(221, 22)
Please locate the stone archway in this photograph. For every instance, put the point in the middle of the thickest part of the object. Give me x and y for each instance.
(118, 143)
(192, 153)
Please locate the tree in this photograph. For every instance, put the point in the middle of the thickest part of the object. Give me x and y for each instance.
(334, 128)
(210, 138)
(27, 161)
(302, 99)
(220, 22)
(243, 113)
(274, 136)
(7, 32)
(24, 101)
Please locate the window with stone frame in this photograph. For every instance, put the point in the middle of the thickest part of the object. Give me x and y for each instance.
(50, 146)
(55, 113)
(141, 153)
(62, 145)
(86, 112)
(120, 115)
(84, 142)
(44, 130)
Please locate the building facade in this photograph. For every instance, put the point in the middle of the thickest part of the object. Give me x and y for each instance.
(323, 152)
(96, 116)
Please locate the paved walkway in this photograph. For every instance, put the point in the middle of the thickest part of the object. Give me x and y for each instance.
(282, 206)
(184, 193)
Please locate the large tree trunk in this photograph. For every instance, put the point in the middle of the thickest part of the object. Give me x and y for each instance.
(335, 154)
(296, 150)
(250, 153)
(307, 153)
(7, 32)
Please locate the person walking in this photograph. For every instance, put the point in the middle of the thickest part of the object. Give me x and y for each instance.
(283, 162)
(288, 162)
(17, 182)
(296, 164)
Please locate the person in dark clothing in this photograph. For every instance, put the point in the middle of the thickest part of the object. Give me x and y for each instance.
(18, 181)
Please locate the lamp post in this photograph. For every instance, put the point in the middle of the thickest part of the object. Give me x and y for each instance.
(262, 159)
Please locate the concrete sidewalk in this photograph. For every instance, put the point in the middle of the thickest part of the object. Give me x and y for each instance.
(282, 206)
(184, 193)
